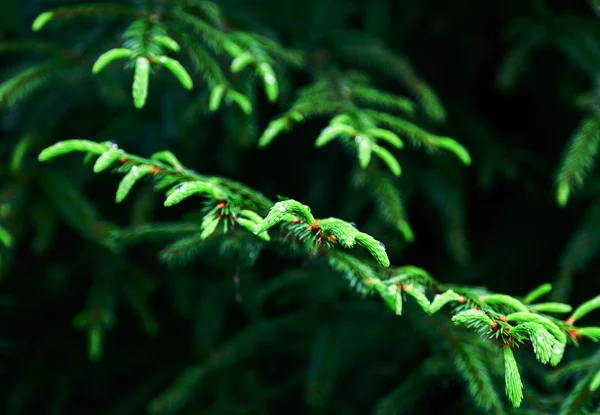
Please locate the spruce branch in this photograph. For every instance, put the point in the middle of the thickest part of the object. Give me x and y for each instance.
(585, 373)
(158, 231)
(331, 230)
(75, 208)
(97, 318)
(574, 368)
(209, 10)
(363, 49)
(228, 203)
(144, 44)
(29, 80)
(204, 64)
(363, 129)
(579, 399)
(471, 360)
(515, 61)
(361, 276)
(580, 153)
(246, 50)
(569, 34)
(149, 38)
(185, 250)
(578, 159)
(228, 197)
(389, 201)
(94, 10)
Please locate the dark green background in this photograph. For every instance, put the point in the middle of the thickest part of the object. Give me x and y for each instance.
(493, 224)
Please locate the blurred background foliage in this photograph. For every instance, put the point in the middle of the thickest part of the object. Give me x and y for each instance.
(215, 337)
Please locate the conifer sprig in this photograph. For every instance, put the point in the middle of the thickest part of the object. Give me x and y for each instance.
(229, 199)
(390, 203)
(583, 50)
(31, 79)
(360, 48)
(341, 97)
(230, 202)
(579, 158)
(94, 10)
(490, 315)
(585, 373)
(331, 230)
(568, 33)
(152, 35)
(507, 319)
(473, 363)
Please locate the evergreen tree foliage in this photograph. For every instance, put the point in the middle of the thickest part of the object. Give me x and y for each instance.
(276, 277)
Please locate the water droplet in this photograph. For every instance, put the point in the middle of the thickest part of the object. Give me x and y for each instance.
(135, 171)
(113, 144)
(60, 143)
(282, 209)
(382, 245)
(353, 224)
(156, 189)
(178, 187)
(558, 351)
(357, 138)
